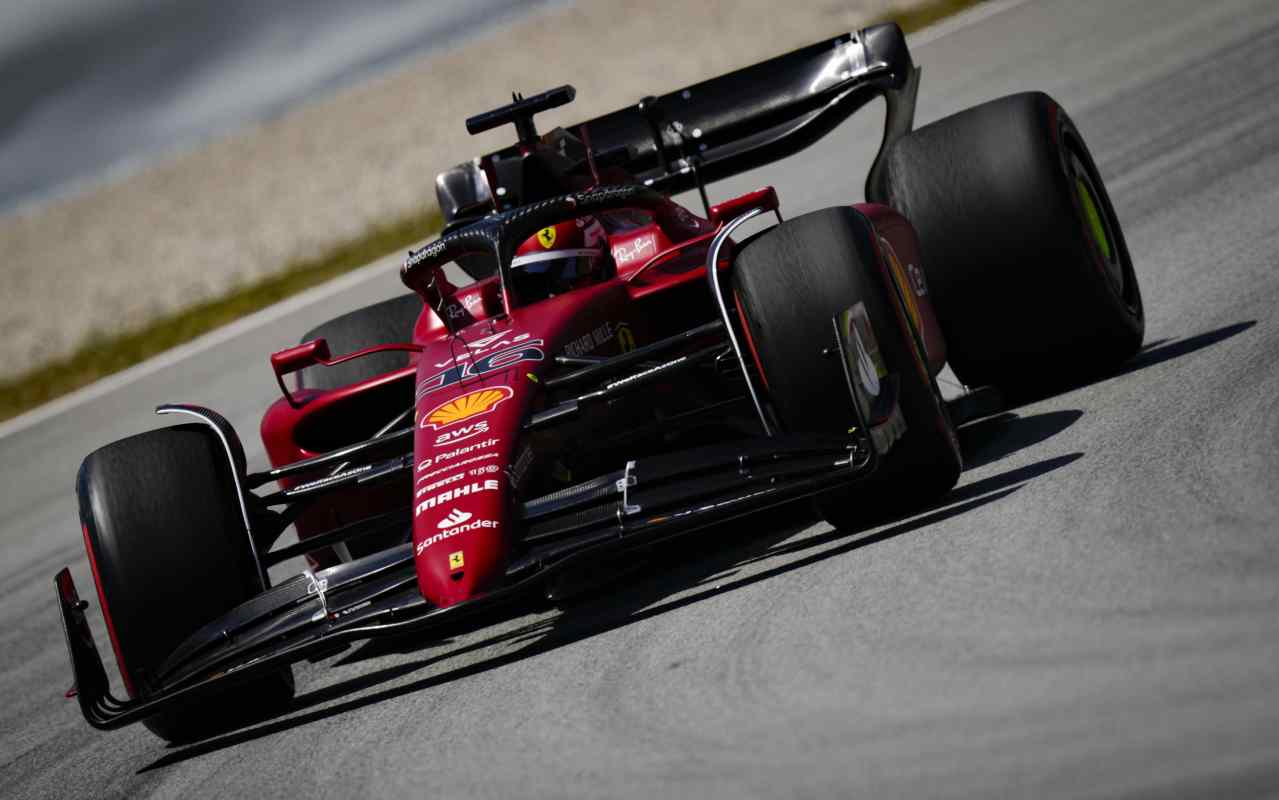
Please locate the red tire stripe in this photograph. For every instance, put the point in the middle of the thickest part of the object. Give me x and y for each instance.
(750, 340)
(106, 614)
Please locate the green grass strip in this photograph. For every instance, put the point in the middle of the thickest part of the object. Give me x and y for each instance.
(103, 356)
(924, 15)
(106, 355)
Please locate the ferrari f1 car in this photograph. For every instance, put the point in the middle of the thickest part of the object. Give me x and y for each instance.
(585, 368)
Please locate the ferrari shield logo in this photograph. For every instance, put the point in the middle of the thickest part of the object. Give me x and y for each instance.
(456, 561)
(546, 237)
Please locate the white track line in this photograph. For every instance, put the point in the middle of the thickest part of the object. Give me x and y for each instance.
(266, 316)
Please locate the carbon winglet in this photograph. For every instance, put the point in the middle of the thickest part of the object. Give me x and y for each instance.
(91, 686)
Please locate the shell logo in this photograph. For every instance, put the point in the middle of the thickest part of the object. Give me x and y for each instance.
(463, 407)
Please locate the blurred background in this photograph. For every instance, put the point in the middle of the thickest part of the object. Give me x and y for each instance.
(95, 89)
(157, 155)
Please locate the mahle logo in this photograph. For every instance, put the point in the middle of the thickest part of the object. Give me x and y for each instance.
(474, 487)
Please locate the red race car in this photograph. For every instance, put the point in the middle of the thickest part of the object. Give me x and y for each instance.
(585, 368)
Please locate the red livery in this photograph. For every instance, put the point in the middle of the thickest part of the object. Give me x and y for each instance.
(583, 367)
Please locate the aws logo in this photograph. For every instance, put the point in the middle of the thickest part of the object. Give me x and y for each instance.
(462, 433)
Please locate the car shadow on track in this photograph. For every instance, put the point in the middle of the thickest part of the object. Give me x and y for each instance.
(1162, 350)
(1152, 354)
(993, 438)
(988, 440)
(704, 567)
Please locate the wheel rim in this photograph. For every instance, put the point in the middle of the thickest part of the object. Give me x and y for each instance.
(1098, 226)
(1091, 215)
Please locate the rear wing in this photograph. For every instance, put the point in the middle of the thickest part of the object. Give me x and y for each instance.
(744, 119)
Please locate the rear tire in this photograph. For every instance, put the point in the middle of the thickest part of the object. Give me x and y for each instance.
(1032, 281)
(790, 282)
(170, 554)
(388, 322)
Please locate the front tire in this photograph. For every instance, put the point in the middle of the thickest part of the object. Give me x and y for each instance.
(170, 554)
(790, 282)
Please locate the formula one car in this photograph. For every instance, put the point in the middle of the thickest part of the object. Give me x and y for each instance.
(585, 368)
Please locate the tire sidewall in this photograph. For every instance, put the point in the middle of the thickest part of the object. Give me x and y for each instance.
(1127, 310)
(1019, 283)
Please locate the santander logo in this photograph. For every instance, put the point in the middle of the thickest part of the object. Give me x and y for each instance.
(448, 533)
(456, 517)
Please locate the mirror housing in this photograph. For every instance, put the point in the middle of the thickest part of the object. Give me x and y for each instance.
(765, 198)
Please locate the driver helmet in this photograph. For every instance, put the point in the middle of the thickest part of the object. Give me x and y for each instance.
(559, 257)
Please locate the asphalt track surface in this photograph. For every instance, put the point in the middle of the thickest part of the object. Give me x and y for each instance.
(1094, 611)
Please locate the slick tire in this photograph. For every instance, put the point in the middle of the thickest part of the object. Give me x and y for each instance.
(388, 322)
(169, 553)
(790, 281)
(1026, 260)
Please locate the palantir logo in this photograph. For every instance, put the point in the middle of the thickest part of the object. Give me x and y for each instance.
(456, 517)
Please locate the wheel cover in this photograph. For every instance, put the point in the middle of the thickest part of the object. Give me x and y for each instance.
(1098, 226)
(1091, 214)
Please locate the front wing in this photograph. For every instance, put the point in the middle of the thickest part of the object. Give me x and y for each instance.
(317, 614)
